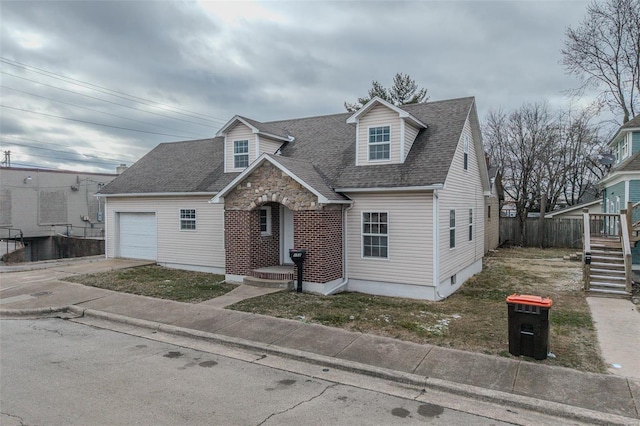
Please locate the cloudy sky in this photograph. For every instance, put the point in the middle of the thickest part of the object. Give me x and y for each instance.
(87, 85)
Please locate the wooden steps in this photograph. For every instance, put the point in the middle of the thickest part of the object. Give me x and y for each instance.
(607, 270)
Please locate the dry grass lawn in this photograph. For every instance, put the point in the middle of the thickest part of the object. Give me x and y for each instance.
(472, 319)
(163, 283)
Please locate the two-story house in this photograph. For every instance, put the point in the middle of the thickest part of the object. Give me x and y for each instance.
(622, 184)
(387, 200)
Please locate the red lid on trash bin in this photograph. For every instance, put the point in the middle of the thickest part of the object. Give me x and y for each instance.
(527, 299)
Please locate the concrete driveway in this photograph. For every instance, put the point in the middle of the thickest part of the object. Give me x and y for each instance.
(36, 287)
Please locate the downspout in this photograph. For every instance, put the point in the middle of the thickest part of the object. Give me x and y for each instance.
(436, 244)
(345, 277)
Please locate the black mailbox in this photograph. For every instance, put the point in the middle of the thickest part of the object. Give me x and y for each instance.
(298, 256)
(587, 258)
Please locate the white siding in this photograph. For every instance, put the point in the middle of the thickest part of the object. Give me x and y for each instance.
(202, 247)
(410, 238)
(237, 133)
(463, 191)
(410, 133)
(378, 116)
(269, 146)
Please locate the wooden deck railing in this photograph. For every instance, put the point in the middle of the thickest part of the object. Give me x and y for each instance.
(625, 228)
(586, 252)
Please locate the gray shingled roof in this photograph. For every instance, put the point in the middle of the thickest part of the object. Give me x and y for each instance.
(267, 128)
(634, 122)
(327, 142)
(631, 164)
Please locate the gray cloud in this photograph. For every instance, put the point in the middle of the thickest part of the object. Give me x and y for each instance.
(283, 60)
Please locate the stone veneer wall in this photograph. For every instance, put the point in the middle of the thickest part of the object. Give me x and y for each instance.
(267, 184)
(320, 233)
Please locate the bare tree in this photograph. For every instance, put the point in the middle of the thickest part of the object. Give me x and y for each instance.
(604, 51)
(404, 91)
(546, 157)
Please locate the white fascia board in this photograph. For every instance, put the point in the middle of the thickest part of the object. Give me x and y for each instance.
(154, 194)
(621, 131)
(280, 138)
(617, 177)
(572, 208)
(223, 129)
(264, 157)
(376, 100)
(393, 189)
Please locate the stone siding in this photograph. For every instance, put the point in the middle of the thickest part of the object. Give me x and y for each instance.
(268, 184)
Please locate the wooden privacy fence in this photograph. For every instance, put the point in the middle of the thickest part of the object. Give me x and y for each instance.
(557, 232)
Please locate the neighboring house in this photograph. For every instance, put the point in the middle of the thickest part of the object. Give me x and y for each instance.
(42, 203)
(612, 258)
(493, 204)
(575, 212)
(387, 200)
(622, 184)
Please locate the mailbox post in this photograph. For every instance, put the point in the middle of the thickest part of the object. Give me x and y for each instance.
(298, 256)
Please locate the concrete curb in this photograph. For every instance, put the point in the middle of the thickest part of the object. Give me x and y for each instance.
(487, 395)
(8, 313)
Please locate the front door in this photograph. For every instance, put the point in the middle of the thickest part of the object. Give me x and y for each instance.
(286, 235)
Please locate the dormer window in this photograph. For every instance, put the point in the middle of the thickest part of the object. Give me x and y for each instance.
(240, 154)
(379, 143)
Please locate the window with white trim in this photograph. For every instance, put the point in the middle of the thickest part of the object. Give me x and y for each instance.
(452, 228)
(187, 219)
(470, 224)
(624, 149)
(240, 154)
(265, 221)
(375, 234)
(466, 152)
(379, 143)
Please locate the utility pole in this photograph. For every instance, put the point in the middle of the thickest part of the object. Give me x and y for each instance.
(7, 159)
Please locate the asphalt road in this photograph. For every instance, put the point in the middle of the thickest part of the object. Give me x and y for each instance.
(56, 372)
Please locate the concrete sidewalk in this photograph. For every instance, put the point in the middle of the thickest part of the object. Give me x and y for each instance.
(563, 392)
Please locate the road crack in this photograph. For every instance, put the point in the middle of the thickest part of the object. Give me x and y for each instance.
(20, 419)
(298, 404)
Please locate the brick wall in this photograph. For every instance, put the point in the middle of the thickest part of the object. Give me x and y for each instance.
(265, 250)
(320, 233)
(237, 241)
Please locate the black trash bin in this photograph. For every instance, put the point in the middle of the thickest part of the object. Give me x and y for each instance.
(529, 325)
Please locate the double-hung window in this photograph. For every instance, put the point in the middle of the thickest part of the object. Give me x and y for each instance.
(240, 154)
(375, 234)
(379, 143)
(187, 219)
(265, 221)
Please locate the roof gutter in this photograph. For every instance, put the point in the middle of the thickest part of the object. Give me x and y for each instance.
(156, 194)
(393, 189)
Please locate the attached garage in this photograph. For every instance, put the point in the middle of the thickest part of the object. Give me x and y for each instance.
(138, 236)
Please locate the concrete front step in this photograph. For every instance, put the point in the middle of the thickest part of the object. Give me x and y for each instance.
(264, 282)
(607, 284)
(607, 293)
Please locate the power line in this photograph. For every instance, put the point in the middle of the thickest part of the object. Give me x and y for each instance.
(55, 144)
(91, 122)
(104, 100)
(100, 112)
(105, 90)
(74, 160)
(63, 152)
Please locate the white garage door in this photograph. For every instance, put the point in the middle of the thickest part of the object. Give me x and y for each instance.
(138, 236)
